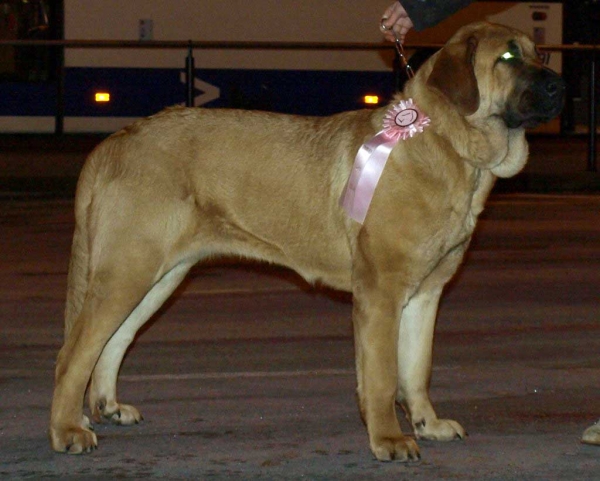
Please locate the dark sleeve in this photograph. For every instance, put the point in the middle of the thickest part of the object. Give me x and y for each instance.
(427, 13)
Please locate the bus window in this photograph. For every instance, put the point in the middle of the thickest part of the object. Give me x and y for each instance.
(27, 20)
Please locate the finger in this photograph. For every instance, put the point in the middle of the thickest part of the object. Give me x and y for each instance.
(393, 14)
(389, 37)
(402, 28)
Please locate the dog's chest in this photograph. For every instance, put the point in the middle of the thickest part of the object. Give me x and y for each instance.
(459, 217)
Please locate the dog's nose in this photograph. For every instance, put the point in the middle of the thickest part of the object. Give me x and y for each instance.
(554, 86)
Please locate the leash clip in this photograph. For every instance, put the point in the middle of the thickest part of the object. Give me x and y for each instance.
(400, 50)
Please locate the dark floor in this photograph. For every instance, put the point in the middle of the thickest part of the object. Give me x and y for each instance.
(248, 373)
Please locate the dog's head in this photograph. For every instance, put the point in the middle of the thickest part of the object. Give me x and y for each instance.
(492, 70)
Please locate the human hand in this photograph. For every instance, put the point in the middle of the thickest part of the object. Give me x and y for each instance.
(396, 18)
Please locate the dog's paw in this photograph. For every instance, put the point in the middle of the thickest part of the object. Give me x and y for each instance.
(395, 449)
(126, 415)
(592, 434)
(439, 430)
(120, 414)
(86, 424)
(73, 440)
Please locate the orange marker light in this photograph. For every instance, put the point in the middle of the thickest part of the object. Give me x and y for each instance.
(102, 97)
(371, 99)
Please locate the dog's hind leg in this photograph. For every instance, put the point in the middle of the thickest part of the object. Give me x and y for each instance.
(103, 388)
(113, 293)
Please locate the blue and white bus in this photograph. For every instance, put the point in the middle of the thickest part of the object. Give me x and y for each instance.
(106, 88)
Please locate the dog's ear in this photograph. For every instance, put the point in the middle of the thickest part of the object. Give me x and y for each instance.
(454, 75)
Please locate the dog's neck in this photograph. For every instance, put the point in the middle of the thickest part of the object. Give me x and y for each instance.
(484, 142)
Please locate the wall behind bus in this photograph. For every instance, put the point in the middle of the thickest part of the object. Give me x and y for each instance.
(233, 20)
(259, 20)
(270, 20)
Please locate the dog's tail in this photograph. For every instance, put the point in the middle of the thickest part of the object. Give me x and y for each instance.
(79, 265)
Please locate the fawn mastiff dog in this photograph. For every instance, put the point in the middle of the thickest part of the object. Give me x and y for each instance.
(186, 184)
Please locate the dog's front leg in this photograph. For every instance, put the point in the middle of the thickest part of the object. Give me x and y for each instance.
(415, 344)
(375, 318)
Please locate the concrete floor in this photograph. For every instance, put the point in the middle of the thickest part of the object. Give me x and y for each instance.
(247, 373)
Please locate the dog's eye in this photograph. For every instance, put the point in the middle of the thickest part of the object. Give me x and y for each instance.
(510, 56)
(513, 53)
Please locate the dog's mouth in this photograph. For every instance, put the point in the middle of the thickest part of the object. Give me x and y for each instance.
(537, 101)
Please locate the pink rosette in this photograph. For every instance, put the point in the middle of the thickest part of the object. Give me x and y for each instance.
(404, 120)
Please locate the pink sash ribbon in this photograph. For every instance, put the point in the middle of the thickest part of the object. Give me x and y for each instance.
(402, 121)
(366, 172)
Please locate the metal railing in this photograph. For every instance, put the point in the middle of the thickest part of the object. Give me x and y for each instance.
(190, 45)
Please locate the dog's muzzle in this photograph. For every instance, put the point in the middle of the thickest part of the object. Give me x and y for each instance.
(538, 98)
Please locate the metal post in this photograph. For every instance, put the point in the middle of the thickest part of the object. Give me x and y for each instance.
(591, 167)
(189, 77)
(592, 12)
(59, 116)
